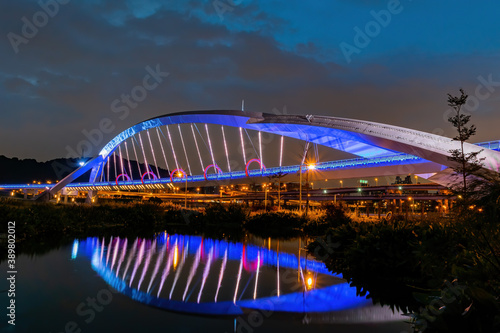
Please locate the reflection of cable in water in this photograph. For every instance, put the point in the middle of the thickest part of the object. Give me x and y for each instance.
(205, 272)
(166, 270)
(221, 274)
(157, 265)
(129, 261)
(192, 271)
(238, 279)
(183, 260)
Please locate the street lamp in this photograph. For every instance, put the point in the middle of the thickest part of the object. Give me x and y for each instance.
(265, 199)
(181, 174)
(310, 166)
(376, 181)
(341, 184)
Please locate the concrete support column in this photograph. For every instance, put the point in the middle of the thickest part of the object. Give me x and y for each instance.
(91, 197)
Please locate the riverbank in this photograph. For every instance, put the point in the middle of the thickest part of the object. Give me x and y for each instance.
(48, 221)
(445, 273)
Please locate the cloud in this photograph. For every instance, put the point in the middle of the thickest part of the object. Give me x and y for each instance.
(65, 78)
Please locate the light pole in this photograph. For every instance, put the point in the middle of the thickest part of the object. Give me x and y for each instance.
(376, 181)
(310, 166)
(186, 192)
(265, 199)
(341, 184)
(300, 188)
(411, 205)
(181, 174)
(279, 194)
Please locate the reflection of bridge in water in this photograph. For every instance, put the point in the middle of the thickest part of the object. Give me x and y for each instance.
(205, 276)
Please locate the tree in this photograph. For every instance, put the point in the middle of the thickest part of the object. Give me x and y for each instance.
(466, 163)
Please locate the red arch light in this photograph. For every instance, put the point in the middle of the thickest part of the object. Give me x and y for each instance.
(262, 166)
(216, 168)
(145, 173)
(120, 175)
(177, 170)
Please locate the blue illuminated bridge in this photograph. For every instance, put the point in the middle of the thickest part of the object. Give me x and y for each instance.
(205, 148)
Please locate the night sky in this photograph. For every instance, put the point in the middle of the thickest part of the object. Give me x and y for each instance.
(63, 72)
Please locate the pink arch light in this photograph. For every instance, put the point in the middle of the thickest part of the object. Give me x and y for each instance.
(122, 175)
(175, 171)
(262, 166)
(216, 168)
(145, 173)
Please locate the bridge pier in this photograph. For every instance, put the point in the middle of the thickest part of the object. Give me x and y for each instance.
(91, 197)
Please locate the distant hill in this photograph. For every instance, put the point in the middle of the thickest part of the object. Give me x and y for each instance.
(18, 171)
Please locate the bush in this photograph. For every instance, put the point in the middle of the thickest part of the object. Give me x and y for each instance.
(219, 214)
(390, 261)
(271, 224)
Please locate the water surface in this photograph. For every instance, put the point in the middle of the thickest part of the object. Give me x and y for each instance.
(183, 283)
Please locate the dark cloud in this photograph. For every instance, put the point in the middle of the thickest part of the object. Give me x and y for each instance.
(64, 79)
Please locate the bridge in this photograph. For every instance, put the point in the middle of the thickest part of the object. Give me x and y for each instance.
(212, 148)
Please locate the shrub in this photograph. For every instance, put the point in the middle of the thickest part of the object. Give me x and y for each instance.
(232, 214)
(275, 224)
